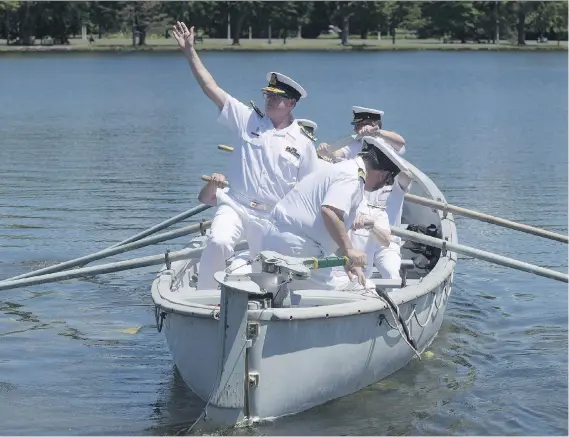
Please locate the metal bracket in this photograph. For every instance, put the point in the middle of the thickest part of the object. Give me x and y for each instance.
(202, 230)
(167, 259)
(252, 330)
(254, 379)
(444, 248)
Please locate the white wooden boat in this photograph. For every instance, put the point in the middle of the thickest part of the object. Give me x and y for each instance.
(251, 361)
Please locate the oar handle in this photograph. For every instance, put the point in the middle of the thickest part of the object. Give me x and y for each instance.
(208, 179)
(327, 262)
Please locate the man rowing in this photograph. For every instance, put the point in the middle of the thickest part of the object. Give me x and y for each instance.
(365, 121)
(381, 209)
(273, 154)
(313, 218)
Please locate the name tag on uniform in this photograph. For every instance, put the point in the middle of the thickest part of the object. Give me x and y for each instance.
(292, 151)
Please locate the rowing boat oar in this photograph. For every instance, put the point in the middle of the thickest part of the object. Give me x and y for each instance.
(118, 266)
(479, 254)
(445, 207)
(411, 198)
(191, 229)
(137, 263)
(164, 224)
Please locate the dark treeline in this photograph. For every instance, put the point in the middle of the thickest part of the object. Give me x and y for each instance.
(23, 21)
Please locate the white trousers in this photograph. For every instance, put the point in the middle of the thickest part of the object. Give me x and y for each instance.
(227, 229)
(387, 260)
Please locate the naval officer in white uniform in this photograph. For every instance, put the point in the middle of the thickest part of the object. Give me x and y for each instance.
(382, 208)
(365, 122)
(313, 218)
(272, 155)
(388, 200)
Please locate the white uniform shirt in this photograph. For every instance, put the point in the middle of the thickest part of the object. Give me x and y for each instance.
(267, 162)
(338, 186)
(351, 150)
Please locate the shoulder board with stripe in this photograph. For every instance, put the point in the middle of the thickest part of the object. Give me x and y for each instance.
(362, 174)
(308, 134)
(256, 109)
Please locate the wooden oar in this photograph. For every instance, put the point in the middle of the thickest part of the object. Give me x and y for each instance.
(191, 229)
(479, 254)
(445, 207)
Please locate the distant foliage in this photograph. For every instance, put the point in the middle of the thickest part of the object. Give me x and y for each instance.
(23, 22)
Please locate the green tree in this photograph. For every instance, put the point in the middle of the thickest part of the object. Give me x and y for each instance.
(403, 14)
(550, 16)
(457, 20)
(144, 18)
(8, 10)
(105, 16)
(369, 16)
(521, 15)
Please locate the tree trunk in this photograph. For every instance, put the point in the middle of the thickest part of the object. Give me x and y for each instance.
(521, 26)
(101, 30)
(345, 29)
(25, 28)
(237, 30)
(285, 36)
(7, 27)
(393, 35)
(364, 33)
(299, 35)
(142, 37)
(270, 32)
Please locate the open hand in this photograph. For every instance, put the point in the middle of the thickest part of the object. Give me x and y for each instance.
(184, 36)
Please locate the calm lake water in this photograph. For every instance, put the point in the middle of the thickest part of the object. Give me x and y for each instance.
(94, 148)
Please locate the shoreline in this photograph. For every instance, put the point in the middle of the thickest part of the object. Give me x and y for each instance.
(167, 46)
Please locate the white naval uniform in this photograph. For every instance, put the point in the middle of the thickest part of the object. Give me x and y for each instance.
(351, 150)
(384, 205)
(266, 164)
(297, 227)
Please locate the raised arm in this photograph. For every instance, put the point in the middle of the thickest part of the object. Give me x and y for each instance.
(208, 85)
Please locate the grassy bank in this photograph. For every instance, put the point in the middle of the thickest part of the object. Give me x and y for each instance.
(168, 45)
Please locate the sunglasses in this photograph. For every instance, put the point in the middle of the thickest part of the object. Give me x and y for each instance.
(274, 97)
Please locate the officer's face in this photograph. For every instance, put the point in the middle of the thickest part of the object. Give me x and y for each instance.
(377, 179)
(276, 105)
(360, 124)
